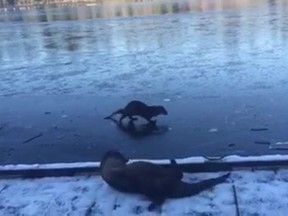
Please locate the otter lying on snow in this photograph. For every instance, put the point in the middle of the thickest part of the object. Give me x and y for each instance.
(138, 108)
(154, 181)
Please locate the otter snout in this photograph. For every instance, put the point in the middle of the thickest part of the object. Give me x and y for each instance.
(165, 112)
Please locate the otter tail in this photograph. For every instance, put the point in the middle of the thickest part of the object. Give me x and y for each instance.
(185, 189)
(120, 111)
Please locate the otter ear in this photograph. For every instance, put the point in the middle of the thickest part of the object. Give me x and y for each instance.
(173, 162)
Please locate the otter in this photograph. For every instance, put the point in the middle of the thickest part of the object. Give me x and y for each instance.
(138, 108)
(154, 181)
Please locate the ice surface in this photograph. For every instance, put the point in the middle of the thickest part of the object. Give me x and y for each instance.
(197, 54)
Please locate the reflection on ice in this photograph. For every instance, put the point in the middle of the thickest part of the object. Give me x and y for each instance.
(218, 46)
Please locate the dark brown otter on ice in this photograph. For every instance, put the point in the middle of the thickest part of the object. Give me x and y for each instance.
(154, 181)
(138, 108)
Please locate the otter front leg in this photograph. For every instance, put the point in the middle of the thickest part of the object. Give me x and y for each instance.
(156, 204)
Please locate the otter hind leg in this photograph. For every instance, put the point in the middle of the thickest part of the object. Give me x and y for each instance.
(123, 116)
(132, 118)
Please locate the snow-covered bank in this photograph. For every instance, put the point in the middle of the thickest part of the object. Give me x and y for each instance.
(189, 160)
(258, 193)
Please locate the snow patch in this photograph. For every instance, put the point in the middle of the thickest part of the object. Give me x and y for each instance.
(213, 130)
(259, 193)
(189, 160)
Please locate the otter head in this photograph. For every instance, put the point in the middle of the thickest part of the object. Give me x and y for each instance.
(112, 154)
(161, 110)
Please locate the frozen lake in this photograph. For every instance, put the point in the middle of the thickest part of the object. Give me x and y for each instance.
(222, 64)
(195, 48)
